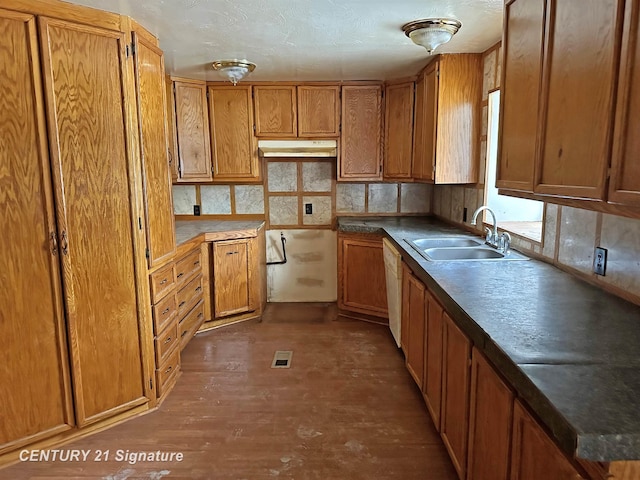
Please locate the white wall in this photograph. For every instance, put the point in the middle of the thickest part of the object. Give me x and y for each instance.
(310, 274)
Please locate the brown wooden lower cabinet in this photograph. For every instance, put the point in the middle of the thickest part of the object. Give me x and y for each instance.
(432, 385)
(414, 323)
(455, 394)
(534, 456)
(490, 420)
(362, 287)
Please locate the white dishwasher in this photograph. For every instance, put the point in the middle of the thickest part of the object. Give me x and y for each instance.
(393, 275)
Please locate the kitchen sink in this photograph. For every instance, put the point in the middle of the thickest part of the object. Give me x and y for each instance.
(460, 249)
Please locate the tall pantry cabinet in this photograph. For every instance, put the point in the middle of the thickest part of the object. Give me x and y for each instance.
(74, 311)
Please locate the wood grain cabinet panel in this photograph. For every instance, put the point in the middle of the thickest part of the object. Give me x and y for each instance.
(362, 285)
(625, 175)
(414, 309)
(533, 453)
(490, 422)
(580, 79)
(418, 155)
(35, 387)
(520, 96)
(451, 93)
(150, 90)
(192, 131)
(432, 387)
(361, 141)
(455, 394)
(232, 278)
(92, 167)
(276, 111)
(235, 153)
(318, 111)
(398, 138)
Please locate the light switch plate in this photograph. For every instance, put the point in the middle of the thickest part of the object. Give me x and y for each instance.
(600, 261)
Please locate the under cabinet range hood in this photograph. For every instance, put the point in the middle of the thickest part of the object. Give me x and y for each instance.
(298, 148)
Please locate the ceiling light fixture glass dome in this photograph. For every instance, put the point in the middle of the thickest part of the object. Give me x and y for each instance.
(234, 70)
(430, 33)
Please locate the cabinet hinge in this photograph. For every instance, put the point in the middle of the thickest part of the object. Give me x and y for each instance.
(130, 49)
(609, 171)
(127, 51)
(146, 252)
(151, 384)
(140, 223)
(254, 128)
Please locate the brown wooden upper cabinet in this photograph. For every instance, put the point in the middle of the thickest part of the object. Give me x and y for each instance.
(448, 95)
(318, 111)
(624, 186)
(235, 154)
(361, 140)
(192, 131)
(304, 111)
(398, 133)
(557, 114)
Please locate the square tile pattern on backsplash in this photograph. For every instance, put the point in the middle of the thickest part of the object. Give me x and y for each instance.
(216, 199)
(383, 198)
(184, 198)
(621, 237)
(578, 238)
(321, 210)
(350, 197)
(317, 176)
(282, 176)
(249, 199)
(415, 198)
(283, 210)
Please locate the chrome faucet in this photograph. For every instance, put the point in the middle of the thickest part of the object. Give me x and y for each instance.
(492, 237)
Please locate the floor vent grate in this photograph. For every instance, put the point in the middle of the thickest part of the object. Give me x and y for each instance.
(282, 359)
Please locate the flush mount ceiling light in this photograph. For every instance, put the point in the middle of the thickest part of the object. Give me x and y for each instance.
(431, 32)
(234, 70)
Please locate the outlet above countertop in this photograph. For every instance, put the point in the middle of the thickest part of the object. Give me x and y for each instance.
(568, 348)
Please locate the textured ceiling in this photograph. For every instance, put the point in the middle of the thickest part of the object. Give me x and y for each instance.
(305, 39)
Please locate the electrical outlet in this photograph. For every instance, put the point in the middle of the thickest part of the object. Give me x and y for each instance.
(196, 210)
(308, 208)
(600, 261)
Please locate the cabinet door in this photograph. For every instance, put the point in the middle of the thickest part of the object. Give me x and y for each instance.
(360, 144)
(404, 315)
(192, 131)
(455, 394)
(276, 114)
(93, 170)
(150, 90)
(533, 453)
(625, 177)
(398, 139)
(172, 140)
(417, 154)
(318, 111)
(362, 283)
(432, 389)
(520, 96)
(490, 422)
(231, 277)
(235, 156)
(580, 79)
(416, 311)
(35, 387)
(424, 155)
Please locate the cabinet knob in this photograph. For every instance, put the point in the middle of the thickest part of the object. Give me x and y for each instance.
(180, 274)
(54, 243)
(165, 311)
(168, 370)
(163, 281)
(182, 303)
(167, 340)
(231, 253)
(196, 263)
(183, 333)
(198, 289)
(64, 243)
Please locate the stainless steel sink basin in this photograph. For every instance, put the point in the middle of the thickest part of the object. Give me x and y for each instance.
(424, 243)
(460, 249)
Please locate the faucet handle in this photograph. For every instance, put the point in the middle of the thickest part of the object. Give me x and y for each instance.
(488, 235)
(504, 243)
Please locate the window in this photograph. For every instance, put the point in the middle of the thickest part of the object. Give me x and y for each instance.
(516, 215)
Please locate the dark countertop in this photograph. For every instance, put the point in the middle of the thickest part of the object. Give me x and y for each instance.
(570, 350)
(186, 230)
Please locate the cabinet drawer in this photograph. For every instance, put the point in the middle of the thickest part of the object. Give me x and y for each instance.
(190, 324)
(187, 267)
(166, 342)
(167, 371)
(189, 295)
(164, 312)
(162, 281)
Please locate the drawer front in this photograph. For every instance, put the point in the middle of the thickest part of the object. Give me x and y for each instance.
(189, 295)
(166, 342)
(190, 324)
(164, 312)
(168, 371)
(188, 267)
(162, 282)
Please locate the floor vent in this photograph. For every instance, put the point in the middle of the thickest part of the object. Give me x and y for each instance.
(282, 359)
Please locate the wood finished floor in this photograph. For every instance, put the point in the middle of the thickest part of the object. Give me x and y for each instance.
(347, 409)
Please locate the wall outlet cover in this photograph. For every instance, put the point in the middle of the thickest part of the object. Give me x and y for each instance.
(308, 208)
(600, 261)
(196, 210)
